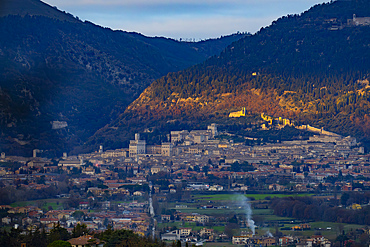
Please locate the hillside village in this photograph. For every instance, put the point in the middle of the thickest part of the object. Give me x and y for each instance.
(113, 187)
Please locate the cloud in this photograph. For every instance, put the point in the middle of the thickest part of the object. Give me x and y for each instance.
(210, 4)
(183, 18)
(198, 28)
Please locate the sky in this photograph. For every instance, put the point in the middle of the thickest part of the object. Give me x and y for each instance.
(185, 19)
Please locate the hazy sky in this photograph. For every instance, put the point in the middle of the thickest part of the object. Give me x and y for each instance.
(199, 19)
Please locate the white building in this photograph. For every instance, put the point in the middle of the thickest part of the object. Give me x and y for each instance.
(199, 136)
(178, 136)
(71, 163)
(166, 149)
(241, 239)
(137, 146)
(359, 21)
(213, 129)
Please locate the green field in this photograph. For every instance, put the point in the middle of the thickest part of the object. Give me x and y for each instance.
(213, 212)
(235, 206)
(234, 197)
(329, 230)
(56, 204)
(215, 244)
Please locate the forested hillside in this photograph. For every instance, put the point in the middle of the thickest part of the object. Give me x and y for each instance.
(312, 68)
(62, 79)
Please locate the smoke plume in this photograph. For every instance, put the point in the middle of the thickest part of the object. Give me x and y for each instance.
(248, 212)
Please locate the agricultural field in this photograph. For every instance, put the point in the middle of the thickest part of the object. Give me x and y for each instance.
(45, 204)
(328, 229)
(221, 207)
(215, 244)
(233, 197)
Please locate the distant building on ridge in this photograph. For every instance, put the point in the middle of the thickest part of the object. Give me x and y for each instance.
(238, 113)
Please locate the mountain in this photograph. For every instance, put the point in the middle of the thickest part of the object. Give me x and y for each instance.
(33, 8)
(312, 68)
(62, 79)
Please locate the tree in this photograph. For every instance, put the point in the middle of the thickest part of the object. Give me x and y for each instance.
(78, 215)
(41, 179)
(92, 242)
(341, 239)
(344, 198)
(231, 229)
(60, 243)
(205, 169)
(340, 175)
(106, 222)
(73, 202)
(79, 230)
(58, 233)
(124, 238)
(37, 238)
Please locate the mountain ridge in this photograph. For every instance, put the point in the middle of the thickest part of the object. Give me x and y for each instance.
(78, 74)
(33, 8)
(320, 56)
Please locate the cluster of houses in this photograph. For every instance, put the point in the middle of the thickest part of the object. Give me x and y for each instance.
(190, 156)
(31, 217)
(248, 240)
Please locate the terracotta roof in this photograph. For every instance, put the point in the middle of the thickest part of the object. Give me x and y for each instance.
(83, 240)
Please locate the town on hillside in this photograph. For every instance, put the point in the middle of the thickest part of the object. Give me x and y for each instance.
(197, 187)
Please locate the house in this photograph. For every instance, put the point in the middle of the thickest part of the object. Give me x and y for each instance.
(216, 187)
(285, 240)
(296, 228)
(318, 241)
(170, 236)
(305, 226)
(84, 205)
(65, 215)
(184, 232)
(138, 193)
(202, 218)
(90, 225)
(156, 169)
(70, 163)
(27, 221)
(176, 234)
(46, 221)
(301, 227)
(18, 210)
(276, 187)
(268, 241)
(165, 217)
(207, 233)
(5, 207)
(241, 239)
(347, 187)
(6, 220)
(85, 241)
(89, 171)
